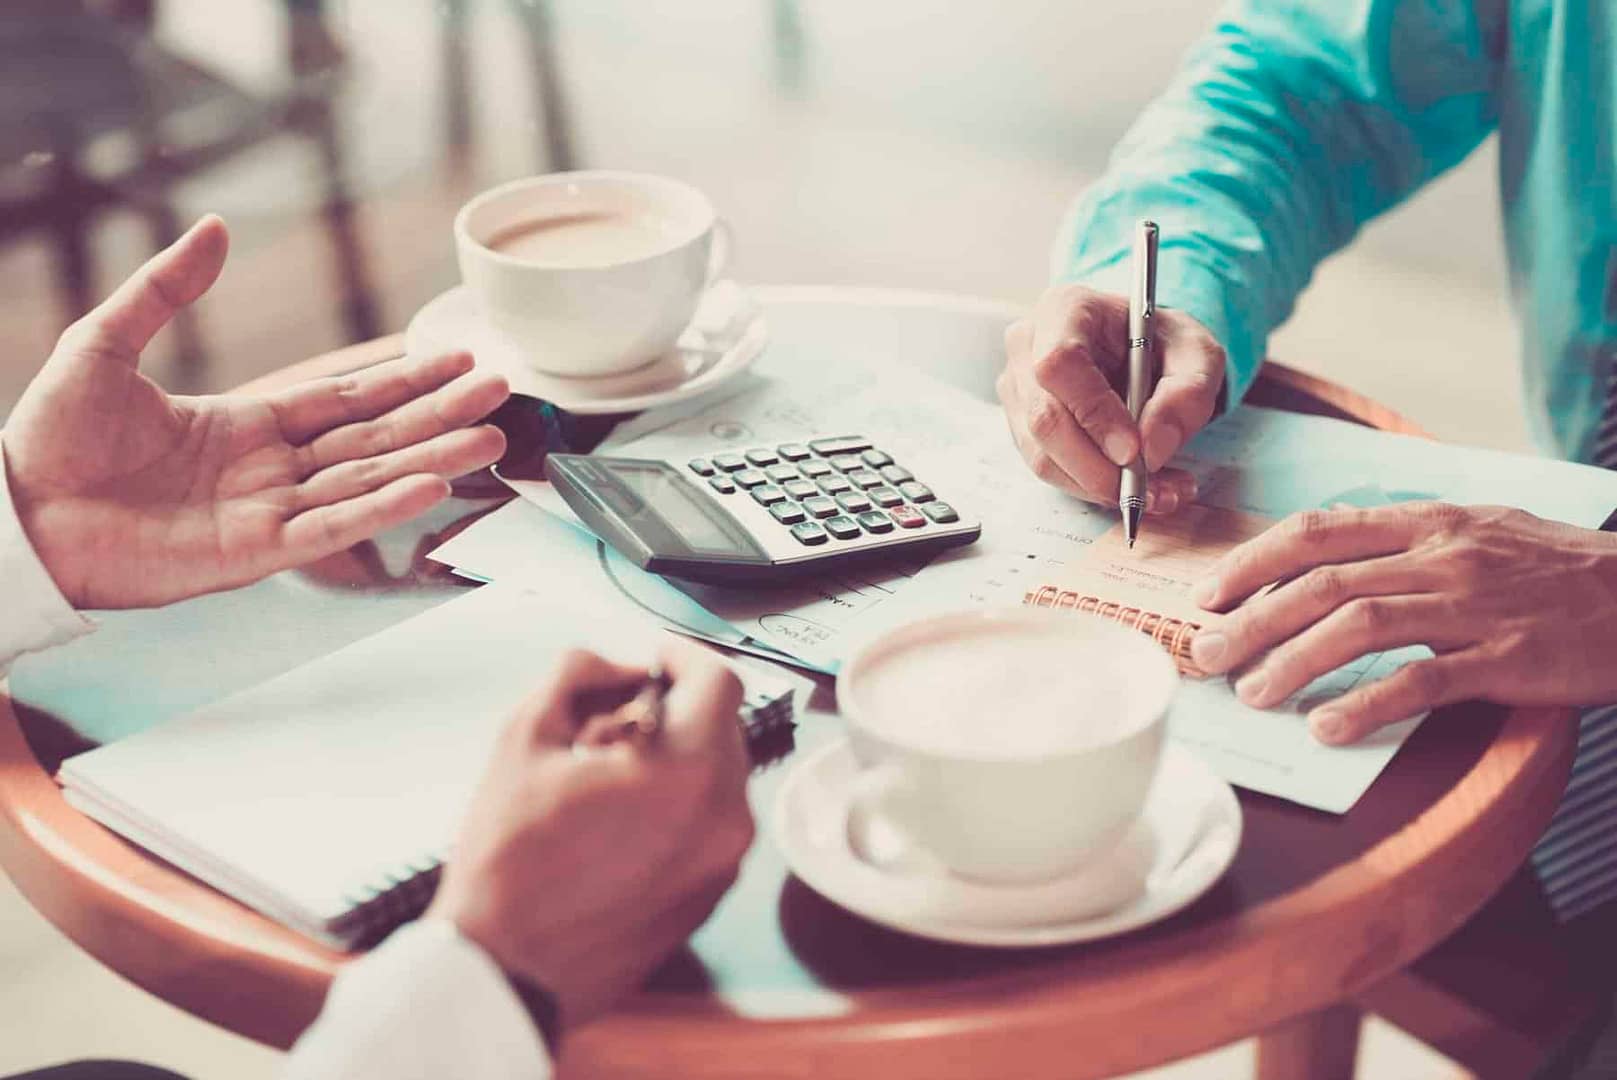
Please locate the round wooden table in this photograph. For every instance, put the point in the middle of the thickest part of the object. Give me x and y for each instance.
(781, 982)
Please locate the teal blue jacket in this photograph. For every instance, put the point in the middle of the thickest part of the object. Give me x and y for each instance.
(1295, 121)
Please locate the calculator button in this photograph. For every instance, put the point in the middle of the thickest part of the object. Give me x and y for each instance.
(800, 489)
(896, 474)
(781, 473)
(876, 458)
(835, 485)
(908, 517)
(913, 491)
(809, 532)
(884, 496)
(847, 462)
(762, 456)
(853, 502)
(730, 462)
(821, 507)
(815, 468)
(722, 484)
(865, 478)
(941, 512)
(787, 513)
(875, 521)
(841, 444)
(793, 451)
(842, 527)
(767, 494)
(701, 466)
(750, 478)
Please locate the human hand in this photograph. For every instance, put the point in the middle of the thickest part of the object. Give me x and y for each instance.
(1519, 611)
(581, 869)
(1071, 426)
(134, 497)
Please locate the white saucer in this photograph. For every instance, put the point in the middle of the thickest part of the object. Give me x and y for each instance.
(726, 336)
(1188, 835)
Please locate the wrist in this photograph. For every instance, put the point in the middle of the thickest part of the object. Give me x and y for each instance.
(538, 1000)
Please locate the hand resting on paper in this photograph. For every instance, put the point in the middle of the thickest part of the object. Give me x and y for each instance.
(1072, 427)
(1519, 610)
(135, 497)
(581, 871)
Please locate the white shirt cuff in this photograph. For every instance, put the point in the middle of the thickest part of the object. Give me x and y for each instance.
(37, 615)
(427, 1003)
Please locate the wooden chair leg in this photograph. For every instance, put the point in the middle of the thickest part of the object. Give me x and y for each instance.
(1316, 1046)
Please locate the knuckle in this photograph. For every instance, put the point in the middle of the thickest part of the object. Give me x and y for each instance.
(1050, 368)
(1095, 410)
(1369, 618)
(1310, 526)
(1440, 516)
(1324, 586)
(1428, 679)
(1046, 418)
(1045, 468)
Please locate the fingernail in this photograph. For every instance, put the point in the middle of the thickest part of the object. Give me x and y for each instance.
(1208, 647)
(1165, 439)
(1161, 500)
(1119, 447)
(1253, 688)
(1329, 726)
(1203, 593)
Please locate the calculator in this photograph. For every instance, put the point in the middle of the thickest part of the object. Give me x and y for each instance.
(764, 514)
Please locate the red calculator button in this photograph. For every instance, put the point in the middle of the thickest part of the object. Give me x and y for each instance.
(907, 516)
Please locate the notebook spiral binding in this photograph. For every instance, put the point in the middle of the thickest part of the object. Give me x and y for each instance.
(402, 895)
(1172, 634)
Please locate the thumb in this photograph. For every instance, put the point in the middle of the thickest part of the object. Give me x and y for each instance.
(125, 322)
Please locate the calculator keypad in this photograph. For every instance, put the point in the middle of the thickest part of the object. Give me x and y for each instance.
(840, 488)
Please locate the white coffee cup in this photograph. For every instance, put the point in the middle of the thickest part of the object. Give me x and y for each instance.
(1008, 747)
(590, 273)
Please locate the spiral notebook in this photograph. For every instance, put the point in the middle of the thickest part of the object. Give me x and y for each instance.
(327, 798)
(1147, 587)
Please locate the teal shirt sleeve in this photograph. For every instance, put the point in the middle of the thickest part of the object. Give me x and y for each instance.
(1291, 124)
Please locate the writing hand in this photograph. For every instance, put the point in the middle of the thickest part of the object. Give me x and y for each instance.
(1071, 426)
(581, 871)
(1519, 611)
(134, 497)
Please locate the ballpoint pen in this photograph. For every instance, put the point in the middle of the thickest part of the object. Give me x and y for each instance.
(1142, 370)
(611, 716)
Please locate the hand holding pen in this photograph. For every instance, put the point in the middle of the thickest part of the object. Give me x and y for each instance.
(1064, 385)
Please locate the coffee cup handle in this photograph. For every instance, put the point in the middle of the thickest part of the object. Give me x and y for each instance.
(723, 247)
(878, 800)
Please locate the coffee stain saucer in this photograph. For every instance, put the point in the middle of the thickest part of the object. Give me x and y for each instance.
(1185, 840)
(726, 335)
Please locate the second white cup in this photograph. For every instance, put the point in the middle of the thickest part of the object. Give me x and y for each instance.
(590, 273)
(1008, 746)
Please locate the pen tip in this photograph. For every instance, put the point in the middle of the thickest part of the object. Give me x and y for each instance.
(1131, 543)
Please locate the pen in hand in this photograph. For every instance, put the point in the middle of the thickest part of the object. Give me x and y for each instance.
(1141, 371)
(619, 715)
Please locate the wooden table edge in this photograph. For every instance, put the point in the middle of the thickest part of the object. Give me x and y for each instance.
(203, 952)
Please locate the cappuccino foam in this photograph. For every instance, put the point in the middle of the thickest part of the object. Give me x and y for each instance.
(995, 691)
(585, 239)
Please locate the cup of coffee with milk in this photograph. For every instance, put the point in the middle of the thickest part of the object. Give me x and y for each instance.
(1003, 747)
(590, 273)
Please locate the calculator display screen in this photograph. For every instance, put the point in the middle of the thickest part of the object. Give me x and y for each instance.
(678, 506)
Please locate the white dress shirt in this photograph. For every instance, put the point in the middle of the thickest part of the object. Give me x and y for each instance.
(427, 1003)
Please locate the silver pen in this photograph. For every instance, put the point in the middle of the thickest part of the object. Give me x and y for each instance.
(1142, 369)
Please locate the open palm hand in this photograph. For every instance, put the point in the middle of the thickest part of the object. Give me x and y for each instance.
(134, 497)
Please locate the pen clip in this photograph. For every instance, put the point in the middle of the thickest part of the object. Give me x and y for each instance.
(1144, 300)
